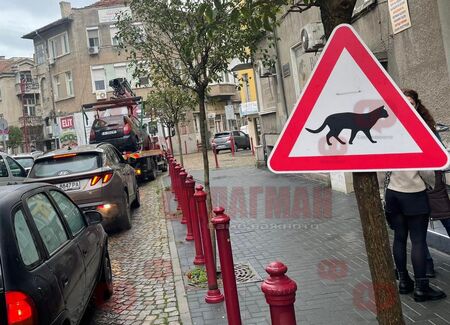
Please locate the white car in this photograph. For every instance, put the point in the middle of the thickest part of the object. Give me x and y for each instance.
(11, 172)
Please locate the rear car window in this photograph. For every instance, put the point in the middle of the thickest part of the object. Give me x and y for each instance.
(58, 165)
(27, 247)
(47, 222)
(221, 135)
(25, 162)
(108, 121)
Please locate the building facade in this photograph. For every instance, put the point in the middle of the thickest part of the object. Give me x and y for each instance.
(76, 57)
(20, 100)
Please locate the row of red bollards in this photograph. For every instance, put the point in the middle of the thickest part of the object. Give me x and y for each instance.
(279, 289)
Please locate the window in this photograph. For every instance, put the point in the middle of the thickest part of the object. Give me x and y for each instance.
(120, 70)
(16, 169)
(92, 35)
(141, 32)
(58, 45)
(3, 169)
(98, 78)
(29, 108)
(113, 30)
(26, 76)
(39, 51)
(75, 164)
(57, 87)
(27, 247)
(70, 211)
(143, 81)
(47, 222)
(69, 83)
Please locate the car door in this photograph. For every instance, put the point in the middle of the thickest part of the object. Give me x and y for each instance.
(64, 258)
(245, 139)
(4, 172)
(126, 170)
(237, 139)
(17, 172)
(87, 238)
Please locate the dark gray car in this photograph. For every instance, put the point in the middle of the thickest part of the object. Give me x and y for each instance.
(222, 140)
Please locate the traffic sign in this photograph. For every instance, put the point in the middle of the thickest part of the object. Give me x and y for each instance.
(3, 124)
(351, 116)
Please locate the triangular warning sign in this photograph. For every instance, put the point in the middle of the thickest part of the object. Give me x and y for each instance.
(352, 117)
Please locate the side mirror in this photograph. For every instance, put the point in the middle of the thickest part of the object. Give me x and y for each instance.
(93, 217)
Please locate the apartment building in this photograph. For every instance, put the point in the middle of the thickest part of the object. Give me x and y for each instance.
(75, 58)
(20, 98)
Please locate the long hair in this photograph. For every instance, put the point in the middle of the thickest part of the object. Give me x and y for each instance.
(421, 109)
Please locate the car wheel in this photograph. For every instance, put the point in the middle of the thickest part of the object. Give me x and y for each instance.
(137, 201)
(104, 288)
(126, 215)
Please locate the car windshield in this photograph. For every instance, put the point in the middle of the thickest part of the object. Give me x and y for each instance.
(108, 121)
(221, 135)
(25, 162)
(60, 165)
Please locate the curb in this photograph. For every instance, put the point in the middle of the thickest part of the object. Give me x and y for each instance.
(183, 306)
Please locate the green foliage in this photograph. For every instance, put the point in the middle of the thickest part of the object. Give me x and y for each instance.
(197, 276)
(15, 137)
(169, 104)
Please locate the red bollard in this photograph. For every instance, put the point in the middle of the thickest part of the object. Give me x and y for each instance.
(222, 223)
(188, 196)
(232, 146)
(280, 290)
(182, 199)
(213, 295)
(215, 154)
(199, 258)
(253, 148)
(177, 169)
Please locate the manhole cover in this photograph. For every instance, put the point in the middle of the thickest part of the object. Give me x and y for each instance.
(245, 273)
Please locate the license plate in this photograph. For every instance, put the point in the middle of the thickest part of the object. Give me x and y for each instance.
(220, 147)
(109, 132)
(69, 186)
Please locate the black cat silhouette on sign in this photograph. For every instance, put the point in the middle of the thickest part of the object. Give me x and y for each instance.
(353, 121)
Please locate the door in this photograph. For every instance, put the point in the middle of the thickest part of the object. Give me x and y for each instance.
(87, 238)
(64, 257)
(17, 172)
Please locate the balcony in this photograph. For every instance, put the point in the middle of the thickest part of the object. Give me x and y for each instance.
(30, 88)
(32, 120)
(222, 91)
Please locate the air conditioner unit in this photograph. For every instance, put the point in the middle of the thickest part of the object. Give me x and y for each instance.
(265, 71)
(93, 50)
(100, 95)
(51, 61)
(313, 37)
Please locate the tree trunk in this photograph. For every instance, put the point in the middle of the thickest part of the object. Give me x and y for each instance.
(203, 129)
(387, 300)
(177, 128)
(335, 12)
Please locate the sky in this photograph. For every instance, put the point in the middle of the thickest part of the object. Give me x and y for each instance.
(19, 17)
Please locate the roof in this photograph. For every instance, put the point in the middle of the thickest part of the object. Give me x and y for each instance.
(79, 149)
(56, 23)
(6, 65)
(106, 3)
(8, 191)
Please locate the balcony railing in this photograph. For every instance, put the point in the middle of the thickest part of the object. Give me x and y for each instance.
(30, 88)
(222, 90)
(32, 120)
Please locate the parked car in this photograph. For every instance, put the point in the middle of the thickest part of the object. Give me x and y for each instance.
(26, 160)
(96, 177)
(222, 140)
(121, 131)
(54, 257)
(11, 172)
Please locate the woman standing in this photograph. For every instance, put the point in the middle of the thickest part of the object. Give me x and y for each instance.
(408, 210)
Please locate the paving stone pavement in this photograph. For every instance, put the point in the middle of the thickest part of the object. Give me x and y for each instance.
(225, 159)
(317, 234)
(144, 286)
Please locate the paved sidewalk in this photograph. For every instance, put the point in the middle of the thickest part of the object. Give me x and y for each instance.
(226, 160)
(325, 253)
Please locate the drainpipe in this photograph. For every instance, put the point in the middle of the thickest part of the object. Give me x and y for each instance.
(279, 76)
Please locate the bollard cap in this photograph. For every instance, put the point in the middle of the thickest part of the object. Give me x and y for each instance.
(183, 174)
(221, 218)
(199, 193)
(190, 181)
(177, 166)
(278, 288)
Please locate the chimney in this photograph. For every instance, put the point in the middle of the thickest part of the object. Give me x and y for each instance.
(65, 8)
